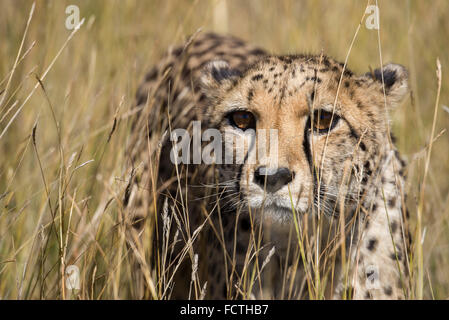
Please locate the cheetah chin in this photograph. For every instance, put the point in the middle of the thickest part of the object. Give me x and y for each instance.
(275, 209)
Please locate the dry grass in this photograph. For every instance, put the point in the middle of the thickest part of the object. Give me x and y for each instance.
(63, 133)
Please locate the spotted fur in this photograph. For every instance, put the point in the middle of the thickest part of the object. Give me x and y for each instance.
(352, 174)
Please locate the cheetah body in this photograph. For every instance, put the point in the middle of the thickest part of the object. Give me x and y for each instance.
(346, 183)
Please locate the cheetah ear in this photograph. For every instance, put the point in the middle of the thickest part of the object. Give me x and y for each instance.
(217, 77)
(395, 78)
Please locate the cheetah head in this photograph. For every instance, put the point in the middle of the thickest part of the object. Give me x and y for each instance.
(326, 149)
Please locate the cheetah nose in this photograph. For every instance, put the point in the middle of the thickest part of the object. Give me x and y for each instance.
(273, 179)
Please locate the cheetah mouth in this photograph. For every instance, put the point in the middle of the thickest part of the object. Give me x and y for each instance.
(276, 207)
(277, 213)
(276, 210)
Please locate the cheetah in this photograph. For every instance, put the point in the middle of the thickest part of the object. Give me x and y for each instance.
(327, 220)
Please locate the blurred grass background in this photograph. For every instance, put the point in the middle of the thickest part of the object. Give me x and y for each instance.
(92, 84)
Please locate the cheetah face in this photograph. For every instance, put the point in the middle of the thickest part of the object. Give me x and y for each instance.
(326, 148)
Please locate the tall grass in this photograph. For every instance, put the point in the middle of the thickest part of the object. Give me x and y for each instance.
(67, 103)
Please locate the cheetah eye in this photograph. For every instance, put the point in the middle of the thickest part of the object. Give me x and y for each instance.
(242, 119)
(323, 121)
